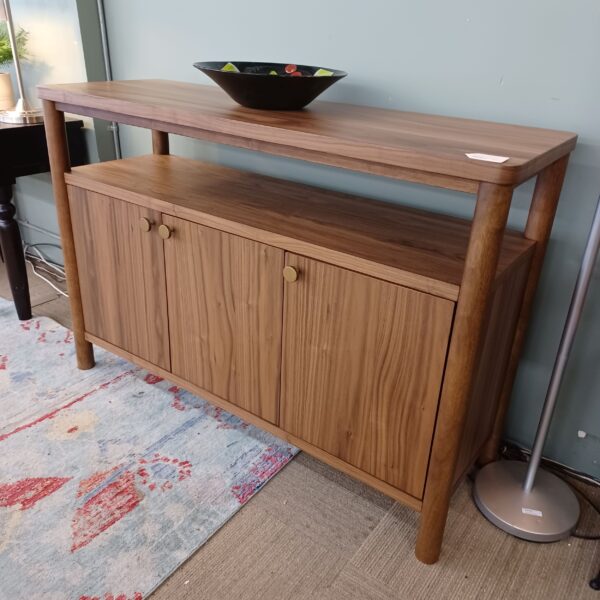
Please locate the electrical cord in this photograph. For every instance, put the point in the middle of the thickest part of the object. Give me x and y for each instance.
(45, 279)
(43, 266)
(34, 247)
(52, 269)
(512, 451)
(585, 498)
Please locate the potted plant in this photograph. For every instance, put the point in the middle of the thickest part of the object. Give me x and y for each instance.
(7, 99)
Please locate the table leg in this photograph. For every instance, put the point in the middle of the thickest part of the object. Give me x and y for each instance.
(58, 152)
(539, 226)
(160, 142)
(12, 250)
(487, 231)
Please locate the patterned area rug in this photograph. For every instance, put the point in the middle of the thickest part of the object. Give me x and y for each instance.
(109, 478)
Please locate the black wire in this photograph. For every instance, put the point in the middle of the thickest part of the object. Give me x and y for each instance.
(586, 498)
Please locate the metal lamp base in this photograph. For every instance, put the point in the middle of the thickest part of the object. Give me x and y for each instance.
(546, 514)
(20, 117)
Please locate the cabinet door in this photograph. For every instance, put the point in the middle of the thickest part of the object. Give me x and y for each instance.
(121, 274)
(362, 369)
(225, 296)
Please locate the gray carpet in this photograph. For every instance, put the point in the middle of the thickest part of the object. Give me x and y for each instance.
(315, 534)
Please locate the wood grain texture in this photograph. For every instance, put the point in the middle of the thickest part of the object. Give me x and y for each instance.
(492, 365)
(362, 369)
(160, 142)
(58, 153)
(432, 179)
(122, 275)
(418, 249)
(538, 228)
(472, 310)
(225, 300)
(370, 136)
(333, 461)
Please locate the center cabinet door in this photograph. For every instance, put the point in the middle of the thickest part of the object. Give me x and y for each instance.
(362, 368)
(225, 296)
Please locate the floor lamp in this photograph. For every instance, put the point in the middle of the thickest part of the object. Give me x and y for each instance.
(520, 498)
(22, 112)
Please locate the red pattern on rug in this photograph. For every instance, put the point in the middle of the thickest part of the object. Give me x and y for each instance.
(28, 492)
(104, 509)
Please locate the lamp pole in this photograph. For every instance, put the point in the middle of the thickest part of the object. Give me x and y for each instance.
(566, 342)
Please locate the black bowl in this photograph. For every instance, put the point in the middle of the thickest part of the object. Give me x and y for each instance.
(255, 86)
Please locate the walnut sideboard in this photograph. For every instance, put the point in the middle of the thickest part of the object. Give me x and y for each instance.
(381, 339)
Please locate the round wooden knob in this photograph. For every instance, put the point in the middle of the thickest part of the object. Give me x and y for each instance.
(145, 224)
(290, 273)
(165, 232)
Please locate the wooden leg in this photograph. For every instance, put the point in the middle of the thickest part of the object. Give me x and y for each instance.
(539, 226)
(487, 230)
(160, 142)
(12, 251)
(59, 165)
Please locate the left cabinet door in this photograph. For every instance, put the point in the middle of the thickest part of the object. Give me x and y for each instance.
(121, 267)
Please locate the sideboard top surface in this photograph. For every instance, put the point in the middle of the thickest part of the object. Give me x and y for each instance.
(419, 147)
(420, 249)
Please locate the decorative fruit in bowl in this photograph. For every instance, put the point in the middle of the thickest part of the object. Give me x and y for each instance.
(270, 86)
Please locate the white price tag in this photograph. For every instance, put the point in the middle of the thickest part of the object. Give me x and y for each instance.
(487, 157)
(532, 512)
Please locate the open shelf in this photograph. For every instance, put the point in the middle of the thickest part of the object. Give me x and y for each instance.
(422, 250)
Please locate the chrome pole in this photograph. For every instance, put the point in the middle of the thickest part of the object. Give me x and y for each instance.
(13, 44)
(114, 127)
(581, 288)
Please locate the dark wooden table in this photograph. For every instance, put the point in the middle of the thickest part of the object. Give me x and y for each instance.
(23, 151)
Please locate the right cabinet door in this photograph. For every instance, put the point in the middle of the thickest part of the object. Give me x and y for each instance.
(362, 368)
